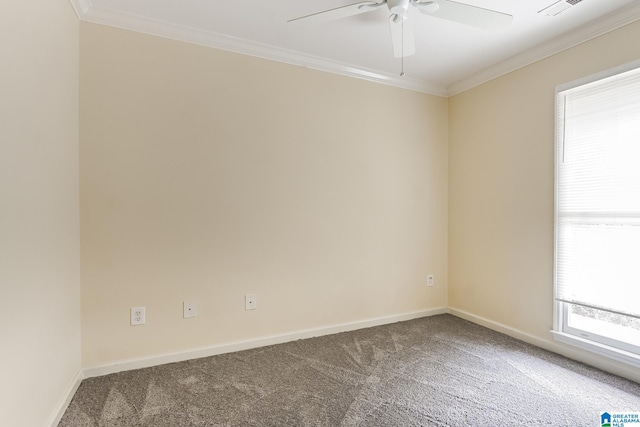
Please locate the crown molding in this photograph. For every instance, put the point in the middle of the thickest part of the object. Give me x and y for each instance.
(233, 44)
(587, 32)
(81, 7)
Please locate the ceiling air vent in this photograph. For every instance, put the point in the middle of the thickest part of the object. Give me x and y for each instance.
(558, 7)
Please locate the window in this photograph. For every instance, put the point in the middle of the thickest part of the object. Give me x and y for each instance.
(597, 214)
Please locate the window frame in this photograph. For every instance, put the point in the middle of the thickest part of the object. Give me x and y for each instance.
(562, 332)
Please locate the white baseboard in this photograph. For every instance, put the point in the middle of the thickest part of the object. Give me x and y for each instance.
(63, 404)
(586, 357)
(502, 328)
(145, 362)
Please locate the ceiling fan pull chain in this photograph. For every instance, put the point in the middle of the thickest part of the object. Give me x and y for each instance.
(402, 50)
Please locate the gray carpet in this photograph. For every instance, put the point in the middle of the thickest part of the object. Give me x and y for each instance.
(435, 371)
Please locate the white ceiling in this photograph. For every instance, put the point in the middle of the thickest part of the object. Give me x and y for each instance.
(449, 58)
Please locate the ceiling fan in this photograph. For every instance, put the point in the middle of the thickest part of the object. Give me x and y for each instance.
(400, 23)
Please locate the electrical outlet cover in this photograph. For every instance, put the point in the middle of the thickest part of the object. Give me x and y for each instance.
(190, 309)
(138, 316)
(250, 301)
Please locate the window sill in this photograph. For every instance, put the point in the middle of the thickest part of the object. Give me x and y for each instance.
(625, 357)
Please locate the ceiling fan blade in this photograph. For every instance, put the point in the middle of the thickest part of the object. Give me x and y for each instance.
(398, 25)
(469, 15)
(340, 12)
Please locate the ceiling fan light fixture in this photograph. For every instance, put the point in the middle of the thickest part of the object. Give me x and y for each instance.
(398, 7)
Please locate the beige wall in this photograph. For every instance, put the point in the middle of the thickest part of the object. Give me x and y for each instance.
(206, 175)
(39, 219)
(501, 169)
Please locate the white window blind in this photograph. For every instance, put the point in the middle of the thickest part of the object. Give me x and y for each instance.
(598, 194)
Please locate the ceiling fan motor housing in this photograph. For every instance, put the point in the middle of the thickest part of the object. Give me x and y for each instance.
(398, 7)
